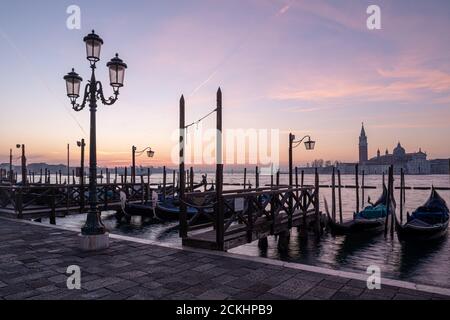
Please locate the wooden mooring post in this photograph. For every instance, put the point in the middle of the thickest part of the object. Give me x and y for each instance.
(357, 186)
(182, 181)
(245, 178)
(340, 195)
(333, 195)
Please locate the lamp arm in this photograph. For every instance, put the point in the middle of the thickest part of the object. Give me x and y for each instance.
(297, 143)
(99, 89)
(79, 107)
(142, 151)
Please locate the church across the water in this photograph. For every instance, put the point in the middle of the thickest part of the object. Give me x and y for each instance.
(412, 163)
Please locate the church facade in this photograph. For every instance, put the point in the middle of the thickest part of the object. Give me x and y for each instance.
(411, 163)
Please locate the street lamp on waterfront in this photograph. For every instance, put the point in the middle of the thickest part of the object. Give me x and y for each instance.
(23, 163)
(309, 145)
(134, 152)
(93, 91)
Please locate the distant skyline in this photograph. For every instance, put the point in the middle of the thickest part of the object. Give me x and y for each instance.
(310, 67)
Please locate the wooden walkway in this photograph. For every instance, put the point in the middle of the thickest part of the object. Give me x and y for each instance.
(237, 234)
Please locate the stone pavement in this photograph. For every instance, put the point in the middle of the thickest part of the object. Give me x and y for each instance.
(34, 261)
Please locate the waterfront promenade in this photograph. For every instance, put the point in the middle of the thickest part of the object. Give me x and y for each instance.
(34, 260)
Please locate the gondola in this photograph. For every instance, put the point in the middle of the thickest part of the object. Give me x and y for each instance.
(429, 221)
(371, 219)
(169, 209)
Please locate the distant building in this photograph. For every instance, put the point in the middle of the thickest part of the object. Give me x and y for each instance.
(412, 163)
(440, 166)
(363, 146)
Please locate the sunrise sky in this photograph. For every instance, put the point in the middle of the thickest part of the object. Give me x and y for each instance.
(310, 67)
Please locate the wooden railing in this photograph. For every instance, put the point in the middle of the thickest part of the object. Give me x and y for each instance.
(26, 199)
(255, 212)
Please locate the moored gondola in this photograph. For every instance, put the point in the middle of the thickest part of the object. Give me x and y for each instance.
(371, 219)
(427, 222)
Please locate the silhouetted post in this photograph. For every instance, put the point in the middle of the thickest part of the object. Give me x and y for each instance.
(73, 177)
(271, 179)
(82, 181)
(256, 177)
(107, 176)
(60, 177)
(45, 176)
(101, 176)
(164, 183)
(126, 174)
(340, 195)
(148, 176)
(24, 166)
(220, 230)
(362, 190)
(278, 177)
(191, 176)
(174, 178)
(245, 177)
(133, 164)
(183, 212)
(40, 175)
(388, 203)
(115, 175)
(33, 176)
(333, 195)
(392, 195)
(296, 181)
(357, 186)
(316, 202)
(68, 163)
(302, 183)
(402, 186)
(11, 173)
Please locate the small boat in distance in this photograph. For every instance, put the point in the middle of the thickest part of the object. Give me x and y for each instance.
(427, 222)
(371, 219)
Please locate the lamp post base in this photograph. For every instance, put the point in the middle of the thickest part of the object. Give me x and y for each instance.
(93, 225)
(93, 242)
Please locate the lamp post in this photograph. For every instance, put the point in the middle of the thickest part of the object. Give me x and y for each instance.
(309, 145)
(11, 179)
(81, 145)
(24, 163)
(93, 91)
(134, 152)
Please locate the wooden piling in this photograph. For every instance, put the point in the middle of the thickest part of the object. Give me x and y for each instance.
(340, 195)
(220, 227)
(302, 183)
(357, 186)
(402, 186)
(362, 190)
(182, 133)
(164, 183)
(191, 176)
(256, 177)
(245, 178)
(316, 202)
(333, 195)
(278, 177)
(126, 174)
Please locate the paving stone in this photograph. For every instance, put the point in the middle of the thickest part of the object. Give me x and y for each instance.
(323, 293)
(34, 260)
(122, 285)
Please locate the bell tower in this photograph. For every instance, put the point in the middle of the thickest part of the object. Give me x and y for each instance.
(363, 147)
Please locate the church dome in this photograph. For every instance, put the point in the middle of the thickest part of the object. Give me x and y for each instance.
(399, 151)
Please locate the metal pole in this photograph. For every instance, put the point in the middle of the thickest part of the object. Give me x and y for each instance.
(93, 225)
(133, 165)
(82, 176)
(11, 175)
(24, 166)
(183, 213)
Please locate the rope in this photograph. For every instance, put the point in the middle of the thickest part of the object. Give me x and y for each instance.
(201, 119)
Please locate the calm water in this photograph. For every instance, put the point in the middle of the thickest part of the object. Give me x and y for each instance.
(426, 263)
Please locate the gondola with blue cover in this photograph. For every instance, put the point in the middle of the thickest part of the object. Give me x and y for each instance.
(371, 219)
(429, 221)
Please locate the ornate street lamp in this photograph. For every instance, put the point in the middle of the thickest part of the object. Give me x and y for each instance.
(134, 152)
(93, 91)
(309, 145)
